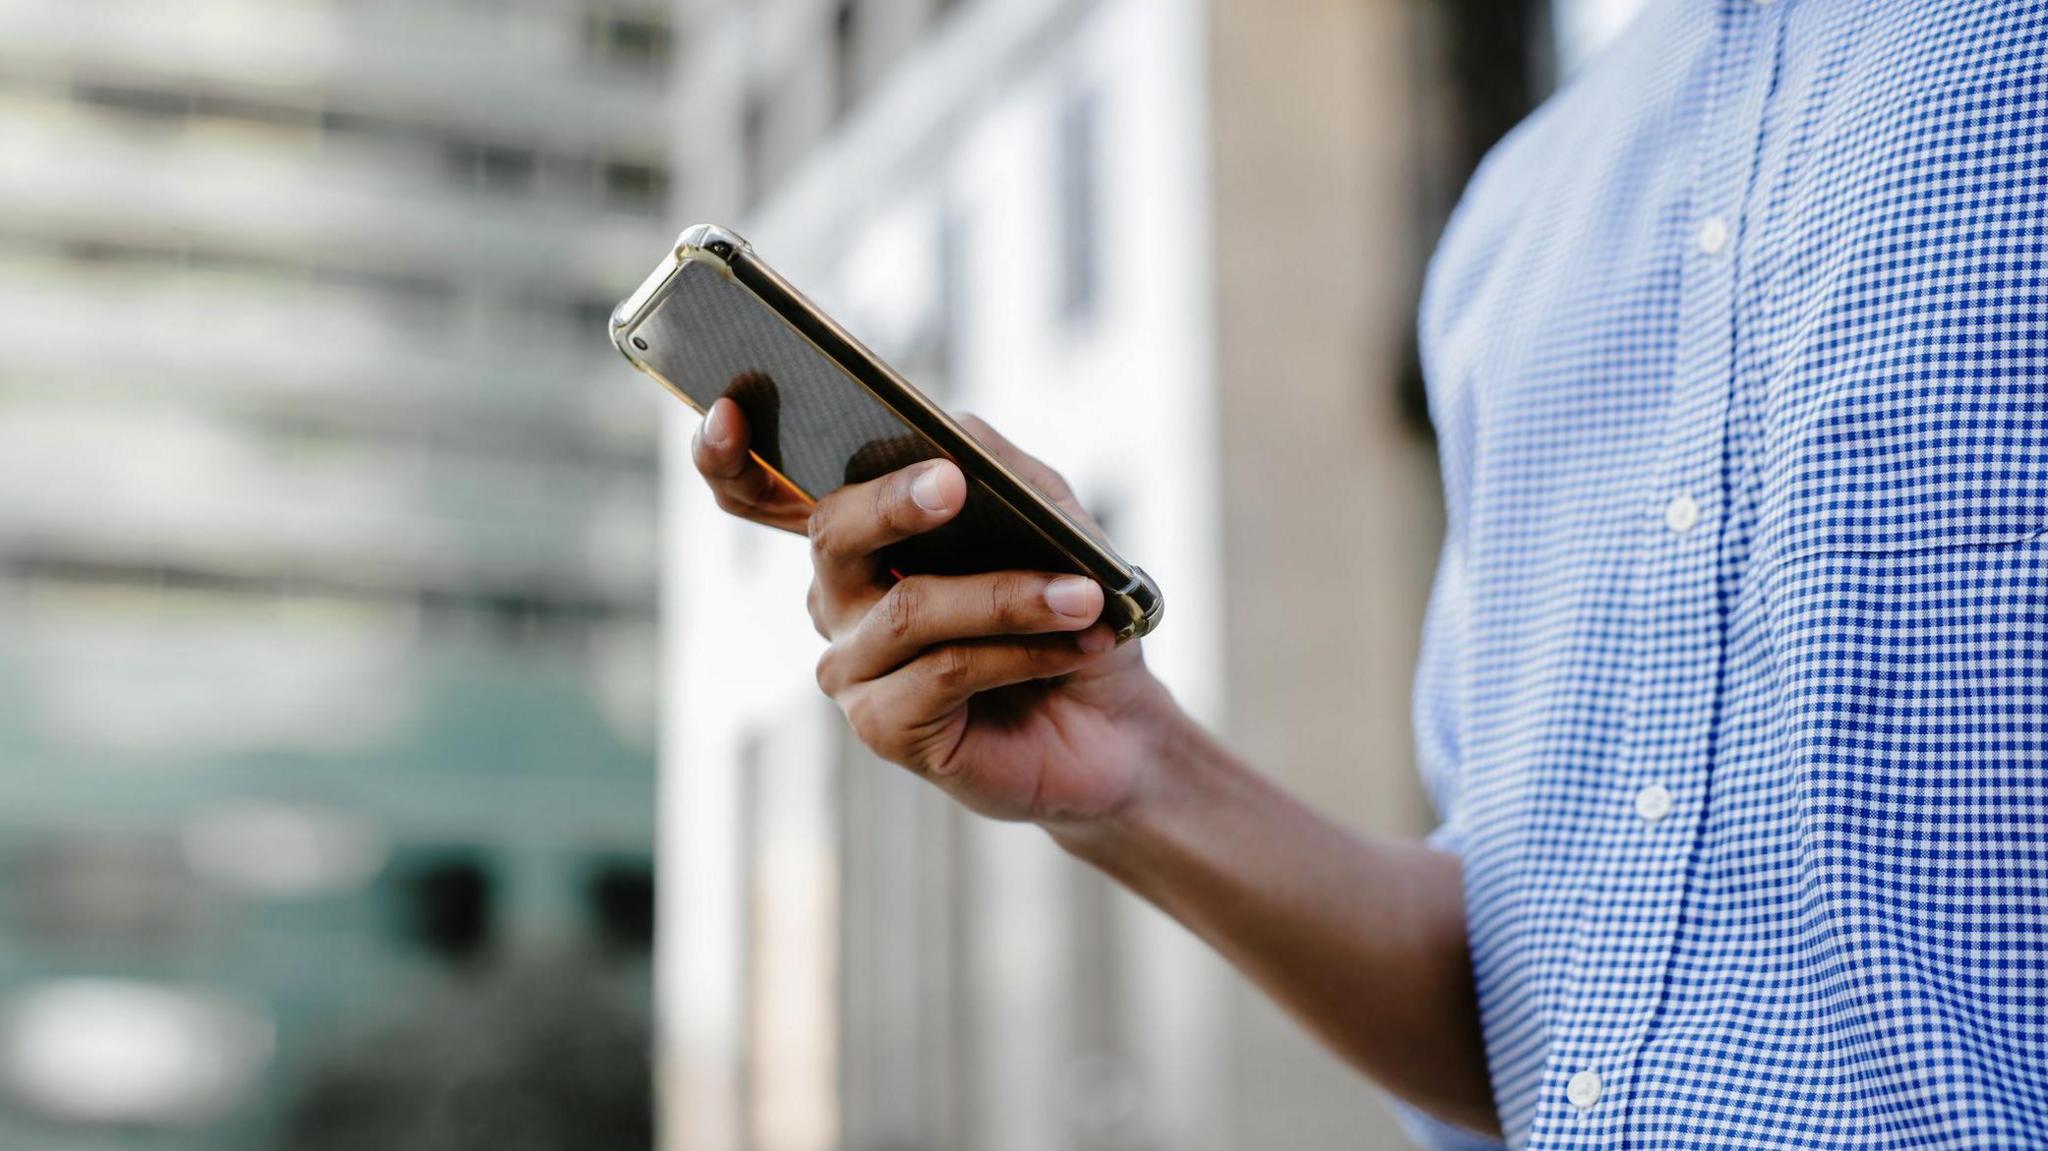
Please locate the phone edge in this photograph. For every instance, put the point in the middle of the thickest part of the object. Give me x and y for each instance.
(1139, 597)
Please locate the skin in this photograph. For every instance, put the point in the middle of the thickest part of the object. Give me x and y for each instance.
(1003, 691)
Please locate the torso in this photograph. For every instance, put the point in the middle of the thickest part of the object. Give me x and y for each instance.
(1739, 358)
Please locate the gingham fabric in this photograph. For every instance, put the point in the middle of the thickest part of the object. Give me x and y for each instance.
(1734, 694)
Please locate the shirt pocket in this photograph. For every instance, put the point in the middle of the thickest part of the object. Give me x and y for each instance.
(1913, 720)
(1903, 549)
(1900, 463)
(1905, 569)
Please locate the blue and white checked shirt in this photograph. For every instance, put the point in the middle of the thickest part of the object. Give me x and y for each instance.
(1734, 694)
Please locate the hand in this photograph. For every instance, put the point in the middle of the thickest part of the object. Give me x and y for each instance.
(1001, 688)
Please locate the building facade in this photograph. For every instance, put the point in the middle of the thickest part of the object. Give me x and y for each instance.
(328, 555)
(1173, 249)
(849, 962)
(1166, 247)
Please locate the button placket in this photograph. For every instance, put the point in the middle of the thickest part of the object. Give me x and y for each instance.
(1682, 514)
(1630, 933)
(1653, 803)
(1583, 1090)
(1713, 236)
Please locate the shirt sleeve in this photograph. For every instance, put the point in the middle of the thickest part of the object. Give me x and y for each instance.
(1436, 1135)
(1439, 708)
(1439, 705)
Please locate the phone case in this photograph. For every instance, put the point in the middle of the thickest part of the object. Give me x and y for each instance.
(714, 320)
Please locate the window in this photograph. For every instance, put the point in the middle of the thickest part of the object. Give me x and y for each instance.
(171, 105)
(637, 40)
(950, 254)
(449, 906)
(635, 186)
(489, 167)
(1077, 165)
(142, 103)
(1490, 63)
(933, 356)
(846, 62)
(620, 896)
(755, 169)
(500, 169)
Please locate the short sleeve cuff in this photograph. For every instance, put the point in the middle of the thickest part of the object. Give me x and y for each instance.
(1436, 1135)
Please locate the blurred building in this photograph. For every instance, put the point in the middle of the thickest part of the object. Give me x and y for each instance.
(328, 552)
(1173, 248)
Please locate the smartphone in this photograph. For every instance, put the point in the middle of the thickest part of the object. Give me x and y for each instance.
(823, 411)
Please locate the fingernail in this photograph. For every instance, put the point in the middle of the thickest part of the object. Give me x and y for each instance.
(926, 490)
(1096, 640)
(1073, 597)
(718, 426)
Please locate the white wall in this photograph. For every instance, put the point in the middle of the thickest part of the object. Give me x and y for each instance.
(1123, 404)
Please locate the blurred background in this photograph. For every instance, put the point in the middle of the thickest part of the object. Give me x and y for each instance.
(366, 638)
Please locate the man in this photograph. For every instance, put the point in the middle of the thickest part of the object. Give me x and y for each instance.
(1734, 693)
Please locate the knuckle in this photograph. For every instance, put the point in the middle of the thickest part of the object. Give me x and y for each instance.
(1013, 600)
(818, 528)
(859, 710)
(902, 608)
(827, 671)
(759, 488)
(952, 667)
(892, 502)
(814, 603)
(1045, 659)
(869, 719)
(1049, 482)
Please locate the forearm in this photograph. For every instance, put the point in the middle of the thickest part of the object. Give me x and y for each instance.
(1362, 940)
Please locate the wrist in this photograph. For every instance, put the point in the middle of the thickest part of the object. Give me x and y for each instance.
(1177, 761)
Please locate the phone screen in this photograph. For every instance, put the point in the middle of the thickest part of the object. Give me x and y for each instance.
(817, 425)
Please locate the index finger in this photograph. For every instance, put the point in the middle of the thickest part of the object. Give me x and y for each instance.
(850, 525)
(1032, 470)
(742, 486)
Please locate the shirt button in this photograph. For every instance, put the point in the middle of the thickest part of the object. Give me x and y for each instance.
(1681, 514)
(1713, 235)
(1583, 1090)
(1653, 802)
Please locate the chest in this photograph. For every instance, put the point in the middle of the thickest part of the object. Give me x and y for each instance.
(1739, 361)
(1801, 274)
